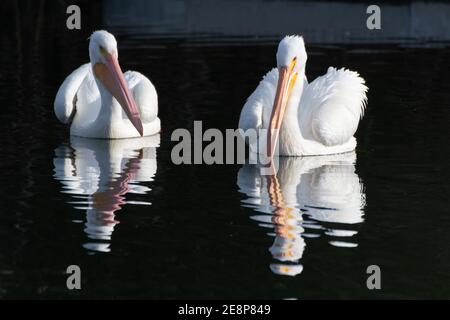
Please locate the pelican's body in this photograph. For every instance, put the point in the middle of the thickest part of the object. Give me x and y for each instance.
(305, 119)
(101, 102)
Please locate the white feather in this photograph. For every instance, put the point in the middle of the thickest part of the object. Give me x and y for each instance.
(320, 118)
(88, 120)
(65, 100)
(144, 93)
(80, 99)
(333, 104)
(252, 112)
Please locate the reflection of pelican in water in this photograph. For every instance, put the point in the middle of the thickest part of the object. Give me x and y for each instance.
(101, 173)
(307, 193)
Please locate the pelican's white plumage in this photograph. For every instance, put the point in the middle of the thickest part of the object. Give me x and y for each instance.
(97, 103)
(318, 118)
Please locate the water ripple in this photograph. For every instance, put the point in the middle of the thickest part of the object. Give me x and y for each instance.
(98, 174)
(307, 193)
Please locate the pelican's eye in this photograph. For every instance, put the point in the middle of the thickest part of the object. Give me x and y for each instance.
(103, 51)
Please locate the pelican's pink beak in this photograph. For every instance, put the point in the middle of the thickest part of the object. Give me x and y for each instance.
(286, 81)
(112, 78)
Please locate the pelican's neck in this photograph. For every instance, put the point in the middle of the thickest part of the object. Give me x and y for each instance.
(290, 133)
(294, 99)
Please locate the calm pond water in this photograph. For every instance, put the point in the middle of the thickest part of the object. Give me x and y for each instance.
(142, 227)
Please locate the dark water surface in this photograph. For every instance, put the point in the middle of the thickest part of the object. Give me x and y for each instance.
(199, 231)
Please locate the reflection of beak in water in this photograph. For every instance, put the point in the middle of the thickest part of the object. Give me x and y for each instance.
(98, 174)
(100, 220)
(288, 245)
(308, 198)
(110, 200)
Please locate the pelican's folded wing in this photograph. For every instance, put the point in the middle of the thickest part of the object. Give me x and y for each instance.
(262, 98)
(145, 95)
(66, 97)
(332, 106)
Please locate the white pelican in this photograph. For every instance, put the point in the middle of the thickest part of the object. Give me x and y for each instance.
(99, 173)
(310, 119)
(308, 197)
(102, 102)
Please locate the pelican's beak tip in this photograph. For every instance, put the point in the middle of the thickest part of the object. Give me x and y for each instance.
(140, 129)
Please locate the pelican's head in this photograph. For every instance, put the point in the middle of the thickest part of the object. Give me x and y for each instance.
(290, 49)
(106, 68)
(291, 60)
(102, 42)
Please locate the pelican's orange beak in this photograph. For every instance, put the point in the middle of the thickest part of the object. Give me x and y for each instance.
(112, 78)
(286, 81)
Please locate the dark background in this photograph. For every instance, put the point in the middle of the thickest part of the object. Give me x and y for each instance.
(196, 240)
